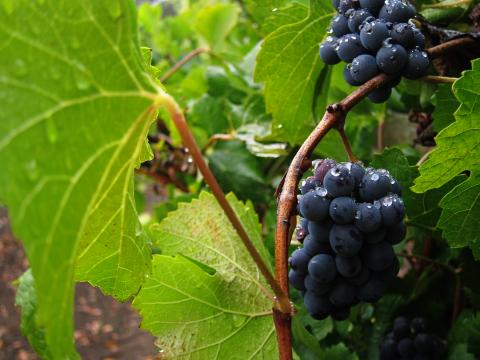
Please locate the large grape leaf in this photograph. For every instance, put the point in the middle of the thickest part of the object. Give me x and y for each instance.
(445, 106)
(76, 106)
(458, 145)
(224, 315)
(289, 65)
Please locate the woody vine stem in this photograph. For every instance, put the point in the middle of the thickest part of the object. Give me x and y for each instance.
(333, 118)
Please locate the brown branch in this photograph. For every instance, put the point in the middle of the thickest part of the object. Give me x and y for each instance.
(288, 196)
(282, 302)
(439, 79)
(182, 62)
(162, 179)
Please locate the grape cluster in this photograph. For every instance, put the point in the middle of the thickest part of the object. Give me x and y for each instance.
(410, 340)
(351, 217)
(374, 36)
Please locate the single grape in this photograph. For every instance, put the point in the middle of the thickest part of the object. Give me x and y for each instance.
(348, 266)
(346, 5)
(322, 268)
(313, 247)
(299, 261)
(319, 230)
(346, 240)
(396, 233)
(348, 76)
(317, 287)
(371, 291)
(349, 47)
(424, 343)
(419, 38)
(405, 348)
(296, 279)
(318, 306)
(314, 205)
(307, 185)
(340, 313)
(321, 168)
(356, 170)
(342, 294)
(374, 185)
(417, 64)
(388, 349)
(373, 33)
(391, 58)
(396, 188)
(335, 3)
(392, 209)
(340, 25)
(373, 6)
(403, 34)
(328, 51)
(302, 229)
(376, 236)
(356, 18)
(339, 181)
(418, 325)
(380, 95)
(378, 257)
(361, 278)
(342, 210)
(396, 11)
(390, 273)
(368, 218)
(363, 68)
(401, 327)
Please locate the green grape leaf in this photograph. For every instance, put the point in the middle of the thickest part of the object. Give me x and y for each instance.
(289, 65)
(289, 14)
(460, 352)
(461, 211)
(214, 22)
(26, 299)
(261, 10)
(458, 145)
(224, 314)
(445, 106)
(466, 330)
(77, 105)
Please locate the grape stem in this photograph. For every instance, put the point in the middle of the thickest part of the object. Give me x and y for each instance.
(447, 267)
(287, 192)
(281, 301)
(182, 62)
(439, 79)
(346, 144)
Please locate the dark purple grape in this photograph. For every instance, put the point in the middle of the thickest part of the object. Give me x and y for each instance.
(307, 185)
(373, 33)
(322, 268)
(419, 38)
(363, 68)
(346, 240)
(389, 273)
(418, 325)
(339, 181)
(392, 209)
(317, 287)
(373, 6)
(361, 278)
(356, 170)
(356, 18)
(376, 236)
(319, 230)
(396, 233)
(296, 280)
(380, 95)
(342, 294)
(368, 218)
(391, 58)
(417, 64)
(317, 305)
(299, 261)
(401, 327)
(348, 76)
(321, 168)
(371, 291)
(403, 34)
(340, 313)
(396, 11)
(314, 205)
(313, 247)
(348, 266)
(374, 185)
(378, 257)
(340, 25)
(302, 229)
(349, 47)
(346, 5)
(388, 350)
(342, 210)
(328, 51)
(424, 343)
(405, 348)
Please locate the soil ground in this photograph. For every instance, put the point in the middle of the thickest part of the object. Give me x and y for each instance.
(105, 329)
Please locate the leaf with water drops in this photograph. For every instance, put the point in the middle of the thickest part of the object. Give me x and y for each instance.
(222, 309)
(76, 107)
(289, 66)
